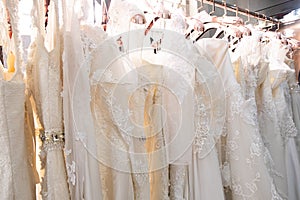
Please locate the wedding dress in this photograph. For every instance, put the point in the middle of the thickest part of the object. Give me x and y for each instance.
(170, 135)
(242, 151)
(17, 180)
(44, 84)
(80, 147)
(179, 77)
(295, 95)
(280, 74)
(120, 139)
(252, 72)
(105, 151)
(189, 144)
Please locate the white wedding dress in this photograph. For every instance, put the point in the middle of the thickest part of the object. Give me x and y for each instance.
(17, 177)
(295, 95)
(252, 72)
(280, 74)
(120, 139)
(179, 166)
(242, 151)
(44, 85)
(103, 157)
(17, 181)
(186, 146)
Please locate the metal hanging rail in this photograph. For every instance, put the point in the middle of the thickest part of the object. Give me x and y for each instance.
(239, 10)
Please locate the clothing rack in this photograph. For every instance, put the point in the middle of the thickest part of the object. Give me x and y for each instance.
(239, 10)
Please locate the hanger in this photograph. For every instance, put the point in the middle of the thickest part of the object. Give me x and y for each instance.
(240, 25)
(197, 26)
(277, 29)
(233, 35)
(104, 16)
(138, 19)
(150, 25)
(271, 26)
(213, 8)
(210, 26)
(161, 13)
(213, 25)
(225, 19)
(265, 18)
(225, 9)
(248, 15)
(201, 6)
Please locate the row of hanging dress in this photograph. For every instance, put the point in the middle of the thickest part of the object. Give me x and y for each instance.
(261, 68)
(144, 117)
(241, 147)
(134, 99)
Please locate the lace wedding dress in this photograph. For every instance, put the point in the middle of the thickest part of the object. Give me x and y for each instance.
(17, 180)
(102, 149)
(173, 145)
(193, 167)
(80, 147)
(44, 84)
(295, 95)
(280, 75)
(242, 151)
(252, 72)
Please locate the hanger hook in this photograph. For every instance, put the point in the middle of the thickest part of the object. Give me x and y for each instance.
(278, 24)
(257, 17)
(271, 25)
(213, 8)
(201, 6)
(248, 15)
(225, 8)
(236, 10)
(265, 18)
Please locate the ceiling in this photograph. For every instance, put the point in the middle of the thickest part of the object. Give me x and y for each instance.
(271, 8)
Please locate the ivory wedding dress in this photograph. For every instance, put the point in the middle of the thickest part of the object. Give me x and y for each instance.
(241, 151)
(16, 175)
(280, 74)
(101, 147)
(295, 95)
(45, 84)
(186, 147)
(252, 72)
(82, 166)
(17, 179)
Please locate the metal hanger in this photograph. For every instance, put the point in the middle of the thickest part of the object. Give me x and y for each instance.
(277, 29)
(225, 9)
(201, 6)
(270, 26)
(213, 8)
(248, 15)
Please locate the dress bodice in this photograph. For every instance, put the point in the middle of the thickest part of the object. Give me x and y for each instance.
(279, 71)
(15, 169)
